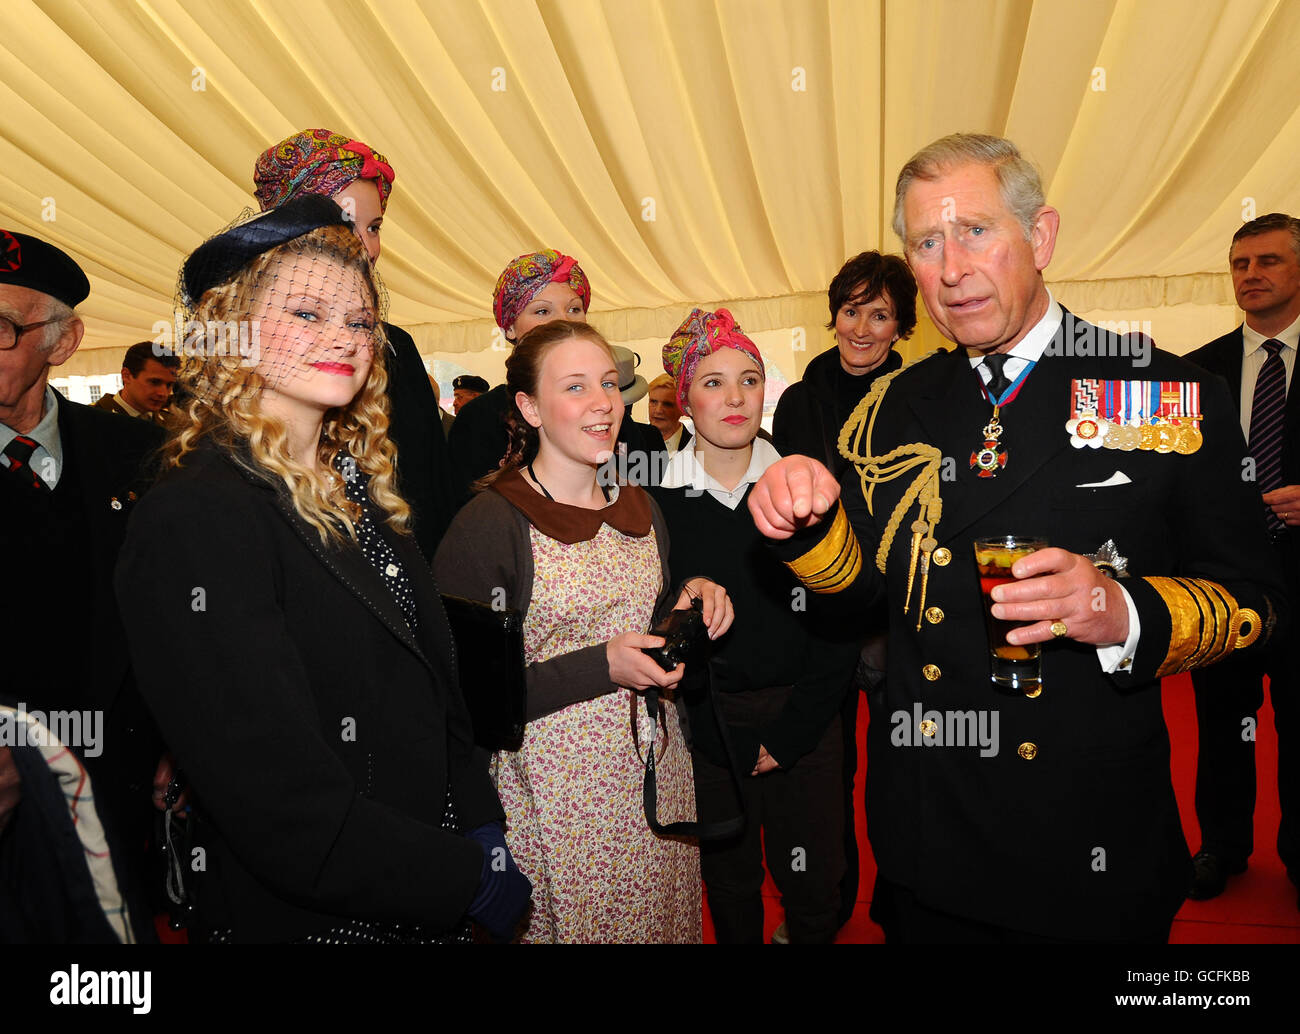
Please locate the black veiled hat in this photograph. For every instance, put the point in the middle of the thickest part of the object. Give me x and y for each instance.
(217, 260)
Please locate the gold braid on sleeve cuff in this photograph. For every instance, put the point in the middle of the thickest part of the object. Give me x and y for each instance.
(835, 562)
(1206, 624)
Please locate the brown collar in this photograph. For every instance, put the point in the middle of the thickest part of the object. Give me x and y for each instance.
(629, 513)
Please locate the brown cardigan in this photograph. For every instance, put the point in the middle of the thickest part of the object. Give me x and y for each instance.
(488, 547)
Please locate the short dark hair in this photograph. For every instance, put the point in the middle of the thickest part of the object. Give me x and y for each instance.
(875, 273)
(1267, 224)
(141, 352)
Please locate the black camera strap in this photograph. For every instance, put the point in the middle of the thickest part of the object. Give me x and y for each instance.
(703, 830)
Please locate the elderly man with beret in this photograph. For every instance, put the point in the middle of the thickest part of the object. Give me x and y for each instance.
(69, 475)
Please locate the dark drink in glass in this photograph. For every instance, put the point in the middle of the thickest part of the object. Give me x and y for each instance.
(1010, 667)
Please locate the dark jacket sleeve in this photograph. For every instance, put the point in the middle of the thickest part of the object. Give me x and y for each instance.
(789, 421)
(415, 425)
(487, 555)
(816, 698)
(477, 442)
(837, 558)
(242, 720)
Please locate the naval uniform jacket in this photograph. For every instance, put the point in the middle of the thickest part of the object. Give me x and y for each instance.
(1071, 830)
(318, 732)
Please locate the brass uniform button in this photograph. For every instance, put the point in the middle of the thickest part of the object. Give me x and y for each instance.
(1036, 691)
(941, 556)
(931, 672)
(933, 615)
(928, 727)
(1028, 751)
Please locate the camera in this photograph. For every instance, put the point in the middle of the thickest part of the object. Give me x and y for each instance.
(683, 631)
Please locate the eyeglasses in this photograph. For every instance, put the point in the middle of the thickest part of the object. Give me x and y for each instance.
(10, 331)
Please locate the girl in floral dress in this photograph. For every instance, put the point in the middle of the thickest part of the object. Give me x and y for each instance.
(586, 564)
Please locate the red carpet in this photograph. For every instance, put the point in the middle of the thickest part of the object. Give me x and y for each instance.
(1258, 907)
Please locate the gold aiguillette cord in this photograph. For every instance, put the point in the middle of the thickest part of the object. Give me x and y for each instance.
(855, 446)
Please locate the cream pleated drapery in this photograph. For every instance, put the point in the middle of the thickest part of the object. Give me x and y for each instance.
(687, 151)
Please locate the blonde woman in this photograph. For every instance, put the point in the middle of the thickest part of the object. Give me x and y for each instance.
(285, 631)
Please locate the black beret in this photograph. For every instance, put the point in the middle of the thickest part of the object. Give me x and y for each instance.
(31, 262)
(217, 260)
(469, 382)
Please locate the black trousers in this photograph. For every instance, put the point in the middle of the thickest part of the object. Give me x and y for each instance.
(906, 920)
(1229, 694)
(796, 814)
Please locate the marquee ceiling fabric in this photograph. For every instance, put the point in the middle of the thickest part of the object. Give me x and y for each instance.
(686, 151)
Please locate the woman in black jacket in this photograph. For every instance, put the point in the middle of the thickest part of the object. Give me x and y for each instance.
(286, 631)
(872, 306)
(779, 683)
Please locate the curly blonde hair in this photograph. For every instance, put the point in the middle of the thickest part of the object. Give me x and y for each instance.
(220, 401)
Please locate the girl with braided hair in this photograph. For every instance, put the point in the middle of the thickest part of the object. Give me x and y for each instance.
(586, 564)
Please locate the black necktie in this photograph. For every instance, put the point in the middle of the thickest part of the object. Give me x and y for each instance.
(18, 455)
(998, 382)
(1267, 415)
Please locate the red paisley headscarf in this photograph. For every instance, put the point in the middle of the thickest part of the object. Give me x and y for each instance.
(317, 161)
(525, 276)
(703, 333)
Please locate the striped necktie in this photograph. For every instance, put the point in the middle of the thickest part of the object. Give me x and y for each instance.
(18, 455)
(1267, 416)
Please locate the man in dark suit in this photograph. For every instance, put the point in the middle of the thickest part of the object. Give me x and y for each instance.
(1048, 813)
(69, 478)
(148, 374)
(1257, 360)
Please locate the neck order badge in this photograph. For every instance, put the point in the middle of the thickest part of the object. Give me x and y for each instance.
(990, 459)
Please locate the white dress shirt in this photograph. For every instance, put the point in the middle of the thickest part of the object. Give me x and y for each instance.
(1252, 361)
(685, 471)
(47, 457)
(130, 409)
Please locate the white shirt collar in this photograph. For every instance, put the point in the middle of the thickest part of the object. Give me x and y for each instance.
(1031, 347)
(130, 409)
(46, 435)
(1253, 340)
(685, 471)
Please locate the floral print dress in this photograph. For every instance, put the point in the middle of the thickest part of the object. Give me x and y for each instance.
(572, 793)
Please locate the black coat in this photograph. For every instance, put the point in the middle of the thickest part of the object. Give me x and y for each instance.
(1082, 840)
(415, 426)
(811, 411)
(318, 733)
(59, 580)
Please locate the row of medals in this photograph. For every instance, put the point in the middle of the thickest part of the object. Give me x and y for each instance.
(1180, 435)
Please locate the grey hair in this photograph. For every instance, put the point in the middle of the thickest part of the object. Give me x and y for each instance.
(1267, 224)
(1018, 180)
(54, 331)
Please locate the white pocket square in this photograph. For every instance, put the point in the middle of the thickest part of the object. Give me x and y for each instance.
(1118, 478)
